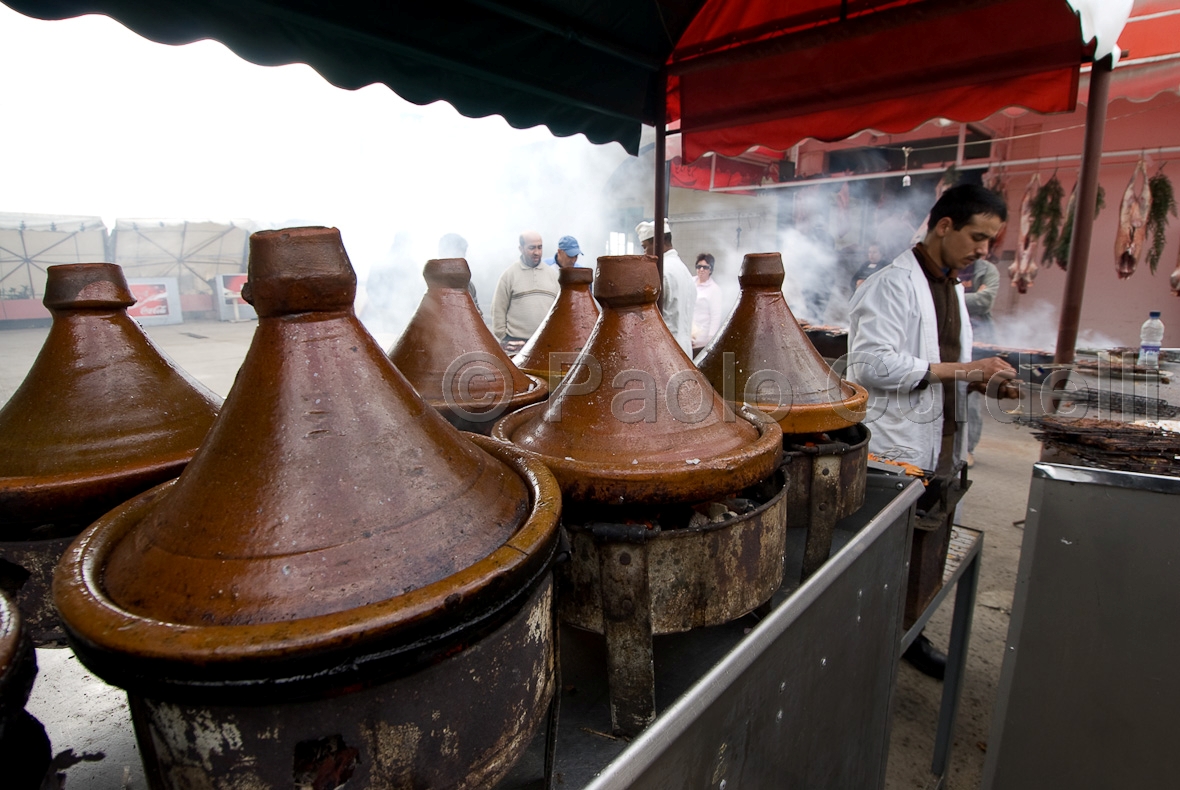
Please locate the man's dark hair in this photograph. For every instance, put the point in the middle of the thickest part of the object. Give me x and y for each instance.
(963, 202)
(707, 258)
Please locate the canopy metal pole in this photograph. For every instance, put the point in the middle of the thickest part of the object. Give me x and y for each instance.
(661, 210)
(661, 202)
(1083, 227)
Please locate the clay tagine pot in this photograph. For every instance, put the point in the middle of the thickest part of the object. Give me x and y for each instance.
(339, 575)
(564, 332)
(451, 357)
(633, 421)
(101, 416)
(24, 746)
(761, 356)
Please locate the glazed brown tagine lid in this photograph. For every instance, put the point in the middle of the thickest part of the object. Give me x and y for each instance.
(633, 421)
(101, 416)
(761, 356)
(451, 357)
(564, 331)
(331, 526)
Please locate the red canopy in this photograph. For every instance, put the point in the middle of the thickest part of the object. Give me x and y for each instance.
(773, 73)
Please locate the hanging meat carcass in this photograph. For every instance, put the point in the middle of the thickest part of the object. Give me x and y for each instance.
(1175, 278)
(997, 181)
(1133, 211)
(1024, 269)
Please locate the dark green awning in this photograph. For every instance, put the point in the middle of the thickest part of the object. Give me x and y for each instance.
(585, 67)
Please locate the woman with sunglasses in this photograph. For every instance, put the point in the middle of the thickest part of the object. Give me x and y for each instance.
(706, 318)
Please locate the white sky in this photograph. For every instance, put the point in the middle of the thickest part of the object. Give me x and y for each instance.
(101, 122)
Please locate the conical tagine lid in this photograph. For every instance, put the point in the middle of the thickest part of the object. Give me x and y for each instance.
(101, 416)
(329, 505)
(564, 331)
(762, 357)
(451, 357)
(633, 420)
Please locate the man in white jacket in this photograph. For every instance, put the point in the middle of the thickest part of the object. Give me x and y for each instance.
(910, 339)
(679, 295)
(909, 345)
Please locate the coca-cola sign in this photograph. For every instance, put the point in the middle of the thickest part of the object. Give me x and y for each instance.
(231, 288)
(151, 299)
(157, 300)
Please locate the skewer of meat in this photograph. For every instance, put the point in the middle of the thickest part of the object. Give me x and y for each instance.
(1023, 270)
(1128, 241)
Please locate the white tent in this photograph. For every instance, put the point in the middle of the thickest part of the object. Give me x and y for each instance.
(30, 243)
(192, 252)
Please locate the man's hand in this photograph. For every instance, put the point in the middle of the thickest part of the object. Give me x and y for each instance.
(512, 346)
(978, 373)
(987, 370)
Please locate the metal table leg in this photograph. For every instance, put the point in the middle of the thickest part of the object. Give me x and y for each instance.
(962, 575)
(956, 663)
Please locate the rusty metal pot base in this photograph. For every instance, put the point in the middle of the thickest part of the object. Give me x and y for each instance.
(461, 723)
(826, 482)
(629, 581)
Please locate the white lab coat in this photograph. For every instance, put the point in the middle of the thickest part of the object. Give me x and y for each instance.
(680, 298)
(891, 343)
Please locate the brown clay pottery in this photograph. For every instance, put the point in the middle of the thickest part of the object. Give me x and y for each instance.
(564, 332)
(451, 357)
(101, 416)
(762, 357)
(338, 577)
(24, 747)
(644, 447)
(633, 421)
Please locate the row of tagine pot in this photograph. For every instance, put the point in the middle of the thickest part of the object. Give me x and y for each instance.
(340, 586)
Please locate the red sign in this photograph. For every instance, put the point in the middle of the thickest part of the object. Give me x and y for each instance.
(151, 299)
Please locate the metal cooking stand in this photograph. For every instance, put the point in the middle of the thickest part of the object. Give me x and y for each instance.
(962, 575)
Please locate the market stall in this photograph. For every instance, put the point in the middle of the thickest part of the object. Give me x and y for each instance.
(604, 70)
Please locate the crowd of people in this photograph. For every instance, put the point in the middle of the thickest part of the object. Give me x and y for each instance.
(692, 307)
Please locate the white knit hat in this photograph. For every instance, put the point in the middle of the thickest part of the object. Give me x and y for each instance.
(646, 230)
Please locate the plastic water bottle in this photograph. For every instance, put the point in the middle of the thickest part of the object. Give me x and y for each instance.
(1150, 338)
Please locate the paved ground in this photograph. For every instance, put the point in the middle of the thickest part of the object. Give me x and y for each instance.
(212, 352)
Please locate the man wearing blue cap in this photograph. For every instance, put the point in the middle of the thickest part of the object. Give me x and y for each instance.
(567, 253)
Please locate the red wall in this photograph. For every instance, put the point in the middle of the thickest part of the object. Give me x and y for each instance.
(1113, 307)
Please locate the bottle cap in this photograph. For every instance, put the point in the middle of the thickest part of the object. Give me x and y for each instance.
(1154, 314)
